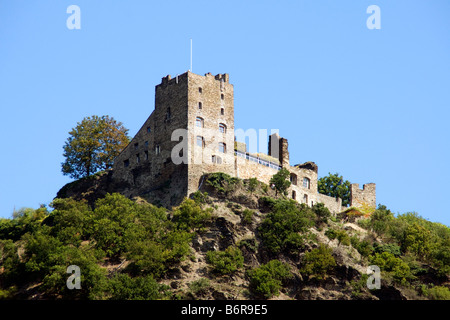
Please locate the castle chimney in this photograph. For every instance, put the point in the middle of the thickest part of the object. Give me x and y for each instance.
(278, 148)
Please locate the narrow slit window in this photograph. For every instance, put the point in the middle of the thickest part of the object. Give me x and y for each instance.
(200, 141)
(222, 111)
(200, 105)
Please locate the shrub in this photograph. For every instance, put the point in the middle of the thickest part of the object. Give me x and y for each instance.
(340, 235)
(363, 247)
(221, 182)
(123, 287)
(225, 262)
(200, 197)
(322, 213)
(252, 184)
(200, 286)
(267, 280)
(388, 247)
(280, 181)
(190, 216)
(280, 229)
(247, 216)
(318, 262)
(436, 292)
(397, 267)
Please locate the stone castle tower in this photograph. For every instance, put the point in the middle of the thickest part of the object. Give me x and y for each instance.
(192, 114)
(191, 132)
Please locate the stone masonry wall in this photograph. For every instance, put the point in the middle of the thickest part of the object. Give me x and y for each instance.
(362, 197)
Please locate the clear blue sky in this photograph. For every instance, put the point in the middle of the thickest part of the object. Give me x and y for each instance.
(372, 105)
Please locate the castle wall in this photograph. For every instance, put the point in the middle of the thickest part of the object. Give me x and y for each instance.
(246, 169)
(146, 164)
(333, 204)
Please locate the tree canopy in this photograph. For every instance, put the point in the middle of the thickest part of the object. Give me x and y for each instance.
(334, 185)
(92, 146)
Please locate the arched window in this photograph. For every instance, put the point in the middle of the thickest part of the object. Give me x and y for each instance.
(305, 198)
(222, 147)
(306, 183)
(222, 128)
(200, 141)
(199, 122)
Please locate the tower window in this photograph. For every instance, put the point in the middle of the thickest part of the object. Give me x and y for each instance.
(222, 111)
(149, 130)
(200, 90)
(200, 105)
(305, 198)
(222, 96)
(157, 149)
(306, 183)
(293, 179)
(294, 194)
(199, 122)
(222, 128)
(146, 155)
(146, 144)
(200, 141)
(222, 147)
(138, 158)
(126, 163)
(136, 146)
(168, 114)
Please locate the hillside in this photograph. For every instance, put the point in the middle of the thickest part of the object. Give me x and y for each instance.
(234, 239)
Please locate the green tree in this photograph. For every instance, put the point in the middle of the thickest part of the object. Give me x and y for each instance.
(225, 262)
(334, 185)
(281, 228)
(267, 280)
(281, 181)
(318, 262)
(123, 287)
(92, 146)
(417, 239)
(252, 184)
(190, 216)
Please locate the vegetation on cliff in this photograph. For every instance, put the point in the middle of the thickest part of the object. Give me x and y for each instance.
(235, 239)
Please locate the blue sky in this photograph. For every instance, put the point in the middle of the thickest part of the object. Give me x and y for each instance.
(372, 105)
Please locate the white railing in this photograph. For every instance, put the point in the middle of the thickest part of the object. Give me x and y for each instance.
(257, 160)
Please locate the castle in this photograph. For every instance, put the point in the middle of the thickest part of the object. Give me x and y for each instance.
(191, 133)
